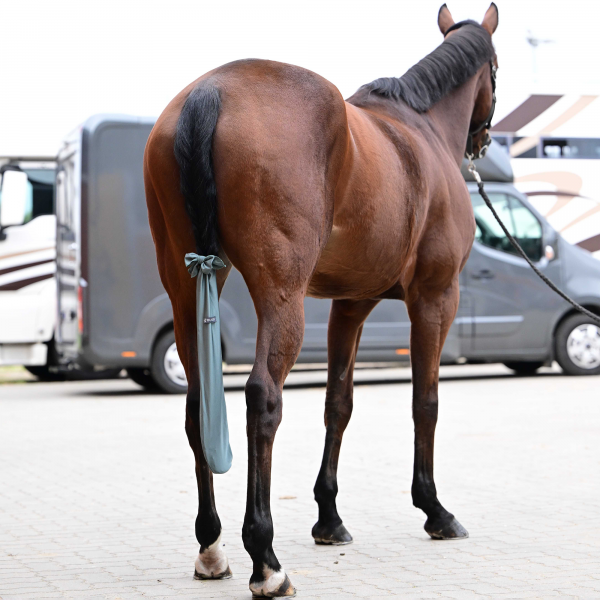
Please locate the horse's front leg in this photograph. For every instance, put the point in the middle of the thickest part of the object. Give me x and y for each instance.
(280, 333)
(431, 313)
(345, 327)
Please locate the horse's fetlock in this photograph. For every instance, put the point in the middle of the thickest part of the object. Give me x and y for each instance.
(208, 528)
(257, 535)
(424, 494)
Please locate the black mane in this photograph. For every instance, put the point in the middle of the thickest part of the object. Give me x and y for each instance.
(454, 61)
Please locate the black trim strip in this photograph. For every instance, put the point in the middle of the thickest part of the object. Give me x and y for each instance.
(25, 266)
(17, 285)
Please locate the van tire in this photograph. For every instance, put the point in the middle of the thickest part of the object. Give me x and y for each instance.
(522, 367)
(142, 377)
(43, 373)
(165, 380)
(561, 340)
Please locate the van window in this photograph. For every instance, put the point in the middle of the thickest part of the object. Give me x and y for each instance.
(522, 224)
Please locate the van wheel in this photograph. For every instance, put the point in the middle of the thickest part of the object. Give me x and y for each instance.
(167, 368)
(577, 346)
(142, 377)
(524, 367)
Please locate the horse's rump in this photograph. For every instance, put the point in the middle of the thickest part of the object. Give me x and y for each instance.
(260, 145)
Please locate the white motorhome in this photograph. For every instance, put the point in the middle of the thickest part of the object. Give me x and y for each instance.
(554, 144)
(27, 262)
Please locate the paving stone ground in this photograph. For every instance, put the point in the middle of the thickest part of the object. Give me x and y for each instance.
(97, 492)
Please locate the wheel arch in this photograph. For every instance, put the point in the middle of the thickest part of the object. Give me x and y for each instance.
(591, 306)
(169, 327)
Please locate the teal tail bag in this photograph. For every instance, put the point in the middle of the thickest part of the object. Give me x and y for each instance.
(213, 412)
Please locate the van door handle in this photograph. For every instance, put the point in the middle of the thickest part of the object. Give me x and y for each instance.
(483, 274)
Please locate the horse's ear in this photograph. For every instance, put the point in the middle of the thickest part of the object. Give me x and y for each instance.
(490, 20)
(445, 20)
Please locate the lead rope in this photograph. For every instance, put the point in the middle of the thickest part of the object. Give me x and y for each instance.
(471, 168)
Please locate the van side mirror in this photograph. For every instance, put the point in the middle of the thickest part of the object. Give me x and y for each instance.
(16, 198)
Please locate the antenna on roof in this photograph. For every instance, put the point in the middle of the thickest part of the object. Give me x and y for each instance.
(534, 42)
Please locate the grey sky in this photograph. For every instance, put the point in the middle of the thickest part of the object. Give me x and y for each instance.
(65, 60)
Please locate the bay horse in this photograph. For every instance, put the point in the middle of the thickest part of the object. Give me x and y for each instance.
(265, 165)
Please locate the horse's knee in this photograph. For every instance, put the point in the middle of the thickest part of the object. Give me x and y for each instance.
(425, 408)
(338, 410)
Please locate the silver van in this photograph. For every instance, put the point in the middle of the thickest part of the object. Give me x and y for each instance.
(113, 311)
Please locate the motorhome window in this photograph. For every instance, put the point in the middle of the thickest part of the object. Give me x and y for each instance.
(571, 148)
(531, 153)
(519, 220)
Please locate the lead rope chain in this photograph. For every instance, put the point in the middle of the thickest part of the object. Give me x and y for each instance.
(471, 168)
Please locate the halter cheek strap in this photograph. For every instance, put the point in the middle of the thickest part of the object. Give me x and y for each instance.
(469, 154)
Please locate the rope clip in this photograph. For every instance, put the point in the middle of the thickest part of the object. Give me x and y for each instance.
(472, 169)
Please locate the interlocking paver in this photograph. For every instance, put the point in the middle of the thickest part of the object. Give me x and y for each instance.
(97, 493)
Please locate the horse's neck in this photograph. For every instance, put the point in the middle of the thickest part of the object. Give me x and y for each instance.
(452, 117)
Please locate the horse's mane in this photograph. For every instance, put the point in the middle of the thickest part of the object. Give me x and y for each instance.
(454, 61)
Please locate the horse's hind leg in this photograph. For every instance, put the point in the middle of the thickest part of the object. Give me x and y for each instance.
(211, 562)
(345, 328)
(280, 333)
(431, 313)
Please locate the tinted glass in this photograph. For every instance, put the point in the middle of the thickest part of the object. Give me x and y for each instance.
(519, 220)
(528, 230)
(571, 148)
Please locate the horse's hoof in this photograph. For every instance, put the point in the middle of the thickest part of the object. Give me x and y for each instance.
(276, 584)
(338, 537)
(227, 574)
(443, 529)
(212, 563)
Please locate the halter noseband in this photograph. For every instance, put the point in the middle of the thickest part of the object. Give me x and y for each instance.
(469, 154)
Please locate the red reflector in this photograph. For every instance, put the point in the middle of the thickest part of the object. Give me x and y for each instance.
(80, 309)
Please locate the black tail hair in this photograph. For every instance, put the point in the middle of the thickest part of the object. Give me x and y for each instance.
(193, 151)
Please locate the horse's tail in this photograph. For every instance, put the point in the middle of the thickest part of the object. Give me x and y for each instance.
(193, 151)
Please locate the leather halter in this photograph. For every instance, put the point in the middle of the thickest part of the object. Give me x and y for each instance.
(469, 154)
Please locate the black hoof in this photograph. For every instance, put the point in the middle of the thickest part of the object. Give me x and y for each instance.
(336, 537)
(445, 529)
